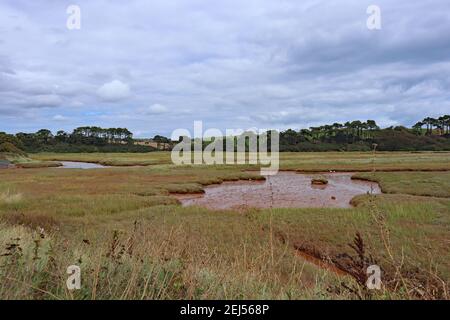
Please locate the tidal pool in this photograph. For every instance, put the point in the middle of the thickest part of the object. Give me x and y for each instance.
(284, 190)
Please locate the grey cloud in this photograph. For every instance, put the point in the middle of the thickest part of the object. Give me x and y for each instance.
(233, 63)
(45, 100)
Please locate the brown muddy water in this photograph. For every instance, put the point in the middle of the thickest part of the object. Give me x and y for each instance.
(284, 190)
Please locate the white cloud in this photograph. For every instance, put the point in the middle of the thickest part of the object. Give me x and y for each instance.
(154, 109)
(59, 117)
(114, 91)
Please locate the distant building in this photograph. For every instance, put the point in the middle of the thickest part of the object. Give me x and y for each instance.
(151, 143)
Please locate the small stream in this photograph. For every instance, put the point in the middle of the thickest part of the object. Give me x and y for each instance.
(80, 165)
(284, 190)
(4, 164)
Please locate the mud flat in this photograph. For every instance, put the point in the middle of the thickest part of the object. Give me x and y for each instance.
(284, 190)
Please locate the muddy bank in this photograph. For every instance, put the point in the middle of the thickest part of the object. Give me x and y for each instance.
(316, 258)
(284, 190)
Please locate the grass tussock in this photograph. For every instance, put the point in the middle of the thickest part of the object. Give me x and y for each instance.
(319, 181)
(33, 221)
(38, 164)
(9, 197)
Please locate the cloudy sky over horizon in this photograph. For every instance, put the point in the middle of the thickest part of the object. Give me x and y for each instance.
(155, 66)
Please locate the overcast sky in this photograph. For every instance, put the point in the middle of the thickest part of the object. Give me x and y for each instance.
(155, 66)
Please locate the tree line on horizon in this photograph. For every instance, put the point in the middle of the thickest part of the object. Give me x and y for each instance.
(80, 135)
(442, 124)
(427, 134)
(361, 135)
(81, 139)
(356, 130)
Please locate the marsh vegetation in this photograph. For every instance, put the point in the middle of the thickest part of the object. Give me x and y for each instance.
(133, 240)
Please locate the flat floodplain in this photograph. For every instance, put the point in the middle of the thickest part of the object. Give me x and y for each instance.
(302, 161)
(133, 239)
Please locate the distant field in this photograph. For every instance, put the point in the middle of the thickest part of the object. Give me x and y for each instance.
(302, 161)
(133, 240)
(365, 161)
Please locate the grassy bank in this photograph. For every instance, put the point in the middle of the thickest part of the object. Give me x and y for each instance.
(23, 161)
(415, 183)
(108, 159)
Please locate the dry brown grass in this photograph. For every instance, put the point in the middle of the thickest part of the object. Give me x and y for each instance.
(10, 198)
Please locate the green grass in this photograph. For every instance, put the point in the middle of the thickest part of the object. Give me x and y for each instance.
(415, 183)
(301, 161)
(133, 240)
(365, 161)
